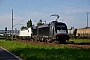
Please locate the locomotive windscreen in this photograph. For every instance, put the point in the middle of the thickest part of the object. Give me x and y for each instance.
(61, 26)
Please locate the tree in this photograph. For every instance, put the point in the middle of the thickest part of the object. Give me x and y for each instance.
(23, 27)
(29, 23)
(39, 23)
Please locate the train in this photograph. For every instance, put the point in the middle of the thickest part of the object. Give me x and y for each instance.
(25, 33)
(54, 31)
(79, 33)
(72, 32)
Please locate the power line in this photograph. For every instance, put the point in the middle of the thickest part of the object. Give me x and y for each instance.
(18, 23)
(22, 3)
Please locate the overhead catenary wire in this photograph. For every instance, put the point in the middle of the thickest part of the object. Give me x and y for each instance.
(18, 23)
(21, 4)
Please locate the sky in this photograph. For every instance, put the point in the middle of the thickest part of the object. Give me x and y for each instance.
(71, 12)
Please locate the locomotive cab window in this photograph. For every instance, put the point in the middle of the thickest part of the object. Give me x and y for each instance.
(60, 27)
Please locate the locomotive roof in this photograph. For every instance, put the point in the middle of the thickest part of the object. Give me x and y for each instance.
(55, 22)
(46, 25)
(34, 27)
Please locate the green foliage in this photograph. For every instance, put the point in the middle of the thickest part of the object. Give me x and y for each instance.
(80, 40)
(29, 23)
(39, 23)
(23, 27)
(42, 52)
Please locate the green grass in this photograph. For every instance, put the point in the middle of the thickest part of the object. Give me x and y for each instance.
(42, 52)
(2, 37)
(80, 40)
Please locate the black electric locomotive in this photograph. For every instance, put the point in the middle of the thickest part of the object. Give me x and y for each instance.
(51, 32)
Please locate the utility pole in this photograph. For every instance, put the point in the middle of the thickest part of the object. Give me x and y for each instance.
(87, 18)
(45, 21)
(12, 24)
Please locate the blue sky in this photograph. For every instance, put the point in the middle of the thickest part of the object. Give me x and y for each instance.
(71, 12)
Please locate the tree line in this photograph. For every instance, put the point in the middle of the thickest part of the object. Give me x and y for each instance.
(29, 24)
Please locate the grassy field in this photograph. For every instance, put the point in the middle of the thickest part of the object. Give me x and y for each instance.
(41, 52)
(2, 37)
(80, 40)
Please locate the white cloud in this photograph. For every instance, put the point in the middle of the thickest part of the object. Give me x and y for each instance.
(75, 10)
(66, 14)
(5, 20)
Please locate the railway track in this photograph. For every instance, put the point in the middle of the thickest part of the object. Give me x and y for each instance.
(68, 44)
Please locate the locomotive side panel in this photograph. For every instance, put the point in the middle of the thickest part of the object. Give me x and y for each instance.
(43, 32)
(34, 32)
